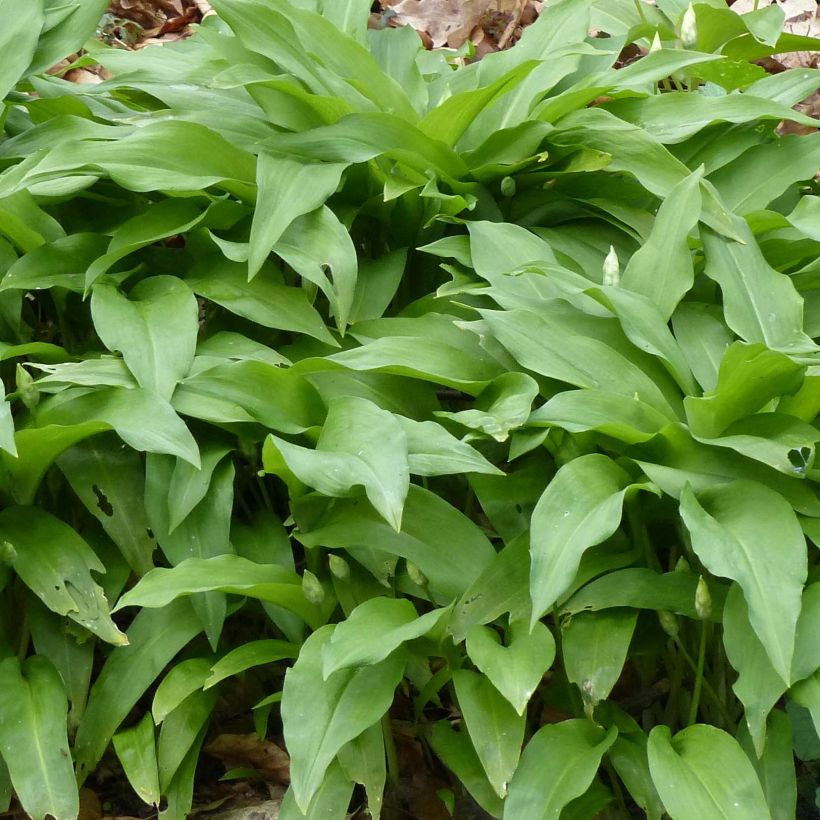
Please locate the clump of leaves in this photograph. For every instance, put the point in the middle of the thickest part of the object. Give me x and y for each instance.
(480, 398)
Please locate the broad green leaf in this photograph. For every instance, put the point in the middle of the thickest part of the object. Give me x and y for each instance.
(376, 285)
(580, 508)
(248, 655)
(363, 761)
(431, 450)
(557, 345)
(360, 445)
(622, 417)
(179, 733)
(641, 588)
(458, 754)
(595, 646)
(317, 244)
(167, 218)
(516, 669)
(320, 716)
(806, 693)
(19, 39)
(66, 31)
(790, 158)
(495, 729)
(72, 655)
(760, 304)
(287, 189)
(180, 791)
(805, 216)
(155, 329)
(228, 345)
(775, 767)
(501, 407)
(628, 756)
(806, 650)
(246, 391)
(557, 765)
(749, 533)
(750, 376)
(188, 486)
(497, 249)
(61, 263)
(154, 637)
(141, 419)
(265, 300)
(703, 772)
(109, 480)
(223, 573)
(33, 738)
(662, 268)
(758, 687)
(137, 753)
(349, 525)
(330, 801)
(502, 586)
(7, 442)
(703, 337)
(373, 631)
(56, 564)
(183, 679)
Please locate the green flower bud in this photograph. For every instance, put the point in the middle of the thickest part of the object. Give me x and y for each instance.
(29, 394)
(682, 565)
(703, 600)
(669, 623)
(7, 553)
(339, 567)
(689, 28)
(612, 268)
(656, 43)
(416, 575)
(312, 588)
(508, 186)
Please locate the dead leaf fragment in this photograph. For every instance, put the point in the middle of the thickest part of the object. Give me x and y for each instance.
(449, 22)
(239, 751)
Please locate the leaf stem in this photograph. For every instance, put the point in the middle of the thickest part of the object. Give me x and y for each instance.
(390, 750)
(693, 707)
(707, 688)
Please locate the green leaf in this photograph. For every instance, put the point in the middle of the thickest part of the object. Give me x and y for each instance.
(33, 738)
(137, 753)
(181, 680)
(110, 482)
(18, 40)
(349, 525)
(247, 655)
(580, 508)
(360, 445)
(557, 765)
(750, 376)
(179, 733)
(458, 754)
(155, 329)
(363, 761)
(154, 637)
(66, 34)
(288, 189)
(330, 801)
(223, 573)
(749, 533)
(374, 630)
(703, 772)
(595, 646)
(516, 669)
(760, 304)
(265, 300)
(775, 767)
(703, 337)
(127, 412)
(320, 716)
(628, 756)
(495, 729)
(662, 268)
(56, 564)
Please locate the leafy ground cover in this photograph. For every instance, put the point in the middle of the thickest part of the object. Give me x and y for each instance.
(449, 424)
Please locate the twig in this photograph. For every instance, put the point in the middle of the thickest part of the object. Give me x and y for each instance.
(512, 25)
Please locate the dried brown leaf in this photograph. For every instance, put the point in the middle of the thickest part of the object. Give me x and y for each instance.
(448, 22)
(239, 751)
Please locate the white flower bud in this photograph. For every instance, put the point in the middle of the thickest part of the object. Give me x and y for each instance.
(689, 28)
(612, 268)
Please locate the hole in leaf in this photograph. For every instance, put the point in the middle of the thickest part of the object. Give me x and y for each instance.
(102, 501)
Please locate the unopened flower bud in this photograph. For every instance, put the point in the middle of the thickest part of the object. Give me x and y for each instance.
(612, 268)
(656, 43)
(312, 588)
(689, 28)
(7, 553)
(339, 567)
(416, 575)
(508, 186)
(669, 623)
(29, 394)
(682, 565)
(703, 600)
